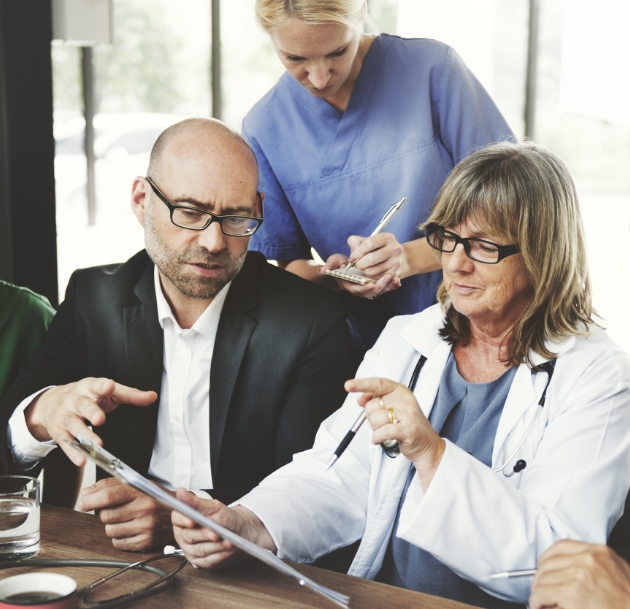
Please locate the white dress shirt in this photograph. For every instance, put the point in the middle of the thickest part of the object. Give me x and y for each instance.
(181, 452)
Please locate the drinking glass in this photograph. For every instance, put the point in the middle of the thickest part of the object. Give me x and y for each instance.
(19, 517)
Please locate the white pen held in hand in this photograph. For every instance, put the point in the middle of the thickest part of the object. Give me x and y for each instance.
(385, 220)
(523, 573)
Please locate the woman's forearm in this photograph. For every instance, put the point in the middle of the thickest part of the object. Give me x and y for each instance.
(309, 270)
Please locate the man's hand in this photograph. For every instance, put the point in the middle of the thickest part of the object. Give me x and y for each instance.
(134, 521)
(206, 549)
(63, 413)
(576, 575)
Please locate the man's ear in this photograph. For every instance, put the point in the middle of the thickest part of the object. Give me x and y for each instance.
(140, 195)
(262, 200)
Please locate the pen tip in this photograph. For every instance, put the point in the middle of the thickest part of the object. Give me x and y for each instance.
(331, 462)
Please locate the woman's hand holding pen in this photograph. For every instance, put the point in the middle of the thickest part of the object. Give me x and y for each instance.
(394, 414)
(378, 257)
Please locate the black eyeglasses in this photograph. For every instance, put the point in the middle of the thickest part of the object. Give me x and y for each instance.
(192, 218)
(479, 250)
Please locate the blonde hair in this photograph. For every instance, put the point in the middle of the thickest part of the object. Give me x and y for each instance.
(274, 14)
(525, 193)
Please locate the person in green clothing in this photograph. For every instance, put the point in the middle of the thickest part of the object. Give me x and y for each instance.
(24, 319)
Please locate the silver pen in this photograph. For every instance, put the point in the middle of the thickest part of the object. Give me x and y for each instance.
(389, 214)
(523, 573)
(346, 440)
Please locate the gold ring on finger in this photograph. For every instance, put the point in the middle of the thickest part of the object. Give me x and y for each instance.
(381, 404)
(392, 417)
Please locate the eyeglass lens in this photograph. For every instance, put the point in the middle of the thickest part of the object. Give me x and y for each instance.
(445, 241)
(230, 225)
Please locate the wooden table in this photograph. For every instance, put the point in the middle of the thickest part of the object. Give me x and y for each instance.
(70, 534)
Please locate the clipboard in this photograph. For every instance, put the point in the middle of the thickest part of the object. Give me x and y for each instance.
(115, 467)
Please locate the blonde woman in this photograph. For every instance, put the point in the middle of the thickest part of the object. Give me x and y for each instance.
(357, 122)
(516, 434)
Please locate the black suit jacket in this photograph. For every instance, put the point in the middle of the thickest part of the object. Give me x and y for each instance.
(281, 356)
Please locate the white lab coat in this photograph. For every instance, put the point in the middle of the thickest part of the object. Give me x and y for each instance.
(473, 520)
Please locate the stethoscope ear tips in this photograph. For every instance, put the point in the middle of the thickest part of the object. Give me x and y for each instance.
(519, 466)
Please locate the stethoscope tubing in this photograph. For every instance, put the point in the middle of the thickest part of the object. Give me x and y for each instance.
(111, 564)
(549, 368)
(501, 468)
(392, 449)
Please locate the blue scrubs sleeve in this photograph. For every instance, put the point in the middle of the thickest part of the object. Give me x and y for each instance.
(465, 117)
(280, 236)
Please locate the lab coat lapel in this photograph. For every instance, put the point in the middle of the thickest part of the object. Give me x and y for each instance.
(387, 482)
(523, 396)
(422, 334)
(429, 380)
(233, 334)
(390, 474)
(354, 118)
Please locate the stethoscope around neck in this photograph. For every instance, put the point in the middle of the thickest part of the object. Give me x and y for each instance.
(521, 464)
(392, 448)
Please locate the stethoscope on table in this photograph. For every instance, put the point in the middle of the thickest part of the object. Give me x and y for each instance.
(392, 449)
(83, 595)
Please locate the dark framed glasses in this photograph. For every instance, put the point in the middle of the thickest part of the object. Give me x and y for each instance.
(479, 250)
(192, 218)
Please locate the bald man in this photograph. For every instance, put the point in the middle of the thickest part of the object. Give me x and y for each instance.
(195, 362)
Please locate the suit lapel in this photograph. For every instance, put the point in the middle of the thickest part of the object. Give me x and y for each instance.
(129, 431)
(143, 336)
(233, 335)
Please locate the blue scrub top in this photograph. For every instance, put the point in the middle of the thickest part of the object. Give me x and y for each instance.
(415, 112)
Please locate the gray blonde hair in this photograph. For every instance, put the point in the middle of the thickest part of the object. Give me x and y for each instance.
(273, 14)
(525, 193)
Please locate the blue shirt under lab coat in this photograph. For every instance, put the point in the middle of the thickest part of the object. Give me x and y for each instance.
(468, 415)
(415, 112)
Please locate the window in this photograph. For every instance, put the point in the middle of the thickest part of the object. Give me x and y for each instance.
(155, 74)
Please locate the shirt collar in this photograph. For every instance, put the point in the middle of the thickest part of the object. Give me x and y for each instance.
(207, 323)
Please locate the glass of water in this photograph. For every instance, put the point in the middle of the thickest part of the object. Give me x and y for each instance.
(19, 517)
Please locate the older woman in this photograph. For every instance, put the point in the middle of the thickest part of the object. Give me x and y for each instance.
(358, 121)
(516, 433)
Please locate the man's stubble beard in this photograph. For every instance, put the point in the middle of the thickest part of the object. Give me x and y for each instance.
(173, 264)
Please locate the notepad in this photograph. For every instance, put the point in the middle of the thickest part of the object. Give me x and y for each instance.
(352, 274)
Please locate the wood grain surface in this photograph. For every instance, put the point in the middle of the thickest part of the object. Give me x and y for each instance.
(69, 534)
